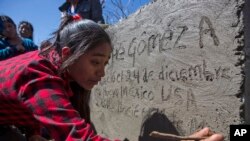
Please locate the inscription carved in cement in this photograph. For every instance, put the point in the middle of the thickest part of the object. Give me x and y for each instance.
(176, 58)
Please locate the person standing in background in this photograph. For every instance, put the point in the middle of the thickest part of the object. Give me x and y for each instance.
(87, 9)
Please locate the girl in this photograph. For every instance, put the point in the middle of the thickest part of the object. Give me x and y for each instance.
(10, 43)
(51, 89)
(26, 30)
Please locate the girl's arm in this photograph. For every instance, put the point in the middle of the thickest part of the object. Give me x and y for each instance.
(29, 45)
(96, 11)
(6, 51)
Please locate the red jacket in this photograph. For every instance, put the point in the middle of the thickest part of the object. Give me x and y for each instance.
(33, 94)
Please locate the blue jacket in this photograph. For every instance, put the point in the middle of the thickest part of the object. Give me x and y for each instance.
(8, 51)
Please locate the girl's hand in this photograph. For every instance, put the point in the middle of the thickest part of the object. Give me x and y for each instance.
(206, 132)
(20, 48)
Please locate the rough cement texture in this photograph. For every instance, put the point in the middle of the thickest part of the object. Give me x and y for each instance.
(176, 67)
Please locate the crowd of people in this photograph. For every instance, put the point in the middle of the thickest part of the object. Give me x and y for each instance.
(45, 92)
(11, 44)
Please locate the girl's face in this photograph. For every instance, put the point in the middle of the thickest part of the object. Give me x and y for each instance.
(25, 31)
(88, 70)
(9, 30)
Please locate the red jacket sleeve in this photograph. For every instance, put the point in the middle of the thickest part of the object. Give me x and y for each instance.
(46, 96)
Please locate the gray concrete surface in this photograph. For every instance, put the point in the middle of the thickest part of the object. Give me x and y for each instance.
(176, 67)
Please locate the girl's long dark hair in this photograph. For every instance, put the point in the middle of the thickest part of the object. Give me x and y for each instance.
(80, 101)
(79, 36)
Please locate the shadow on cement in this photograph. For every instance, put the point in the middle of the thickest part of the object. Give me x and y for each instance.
(156, 121)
